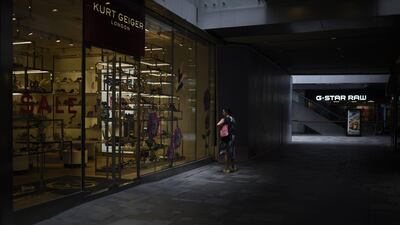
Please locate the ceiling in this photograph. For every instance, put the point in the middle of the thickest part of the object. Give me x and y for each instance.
(338, 49)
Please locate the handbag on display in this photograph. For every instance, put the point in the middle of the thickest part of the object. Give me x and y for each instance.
(224, 132)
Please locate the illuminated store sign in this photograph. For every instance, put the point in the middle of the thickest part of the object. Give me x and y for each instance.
(327, 98)
(116, 25)
(118, 19)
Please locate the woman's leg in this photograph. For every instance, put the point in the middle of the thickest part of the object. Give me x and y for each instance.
(225, 143)
(226, 162)
(233, 154)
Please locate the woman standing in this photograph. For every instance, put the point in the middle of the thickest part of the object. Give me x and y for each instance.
(227, 134)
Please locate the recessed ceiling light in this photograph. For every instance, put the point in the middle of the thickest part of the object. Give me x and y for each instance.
(22, 43)
(107, 3)
(14, 19)
(180, 44)
(190, 49)
(30, 34)
(58, 40)
(71, 44)
(54, 10)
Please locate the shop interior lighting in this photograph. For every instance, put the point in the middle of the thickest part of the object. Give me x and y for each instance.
(154, 64)
(54, 10)
(30, 72)
(30, 33)
(108, 3)
(156, 73)
(129, 71)
(159, 96)
(117, 64)
(147, 30)
(58, 40)
(155, 95)
(160, 74)
(14, 19)
(158, 83)
(153, 49)
(22, 43)
(71, 44)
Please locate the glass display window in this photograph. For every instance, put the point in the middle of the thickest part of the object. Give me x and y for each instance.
(46, 101)
(185, 87)
(88, 118)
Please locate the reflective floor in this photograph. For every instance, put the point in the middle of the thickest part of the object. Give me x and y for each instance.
(342, 140)
(301, 183)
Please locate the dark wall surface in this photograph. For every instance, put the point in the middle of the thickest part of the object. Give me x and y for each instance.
(6, 211)
(258, 93)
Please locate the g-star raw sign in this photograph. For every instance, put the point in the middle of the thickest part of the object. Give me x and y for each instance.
(115, 24)
(328, 98)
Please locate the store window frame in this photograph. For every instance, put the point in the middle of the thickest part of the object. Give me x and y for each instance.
(6, 40)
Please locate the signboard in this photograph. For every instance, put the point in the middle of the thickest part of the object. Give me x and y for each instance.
(115, 24)
(354, 122)
(340, 98)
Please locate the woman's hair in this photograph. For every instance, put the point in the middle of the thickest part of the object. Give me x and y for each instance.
(227, 110)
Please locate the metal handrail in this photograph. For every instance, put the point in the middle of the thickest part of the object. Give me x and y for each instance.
(320, 106)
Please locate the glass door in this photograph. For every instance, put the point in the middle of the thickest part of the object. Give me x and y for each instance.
(111, 119)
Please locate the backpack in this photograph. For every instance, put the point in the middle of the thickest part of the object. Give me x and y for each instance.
(232, 125)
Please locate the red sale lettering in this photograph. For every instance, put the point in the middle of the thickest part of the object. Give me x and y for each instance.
(71, 102)
(44, 105)
(58, 103)
(27, 104)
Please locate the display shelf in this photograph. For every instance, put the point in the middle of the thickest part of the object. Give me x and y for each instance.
(32, 80)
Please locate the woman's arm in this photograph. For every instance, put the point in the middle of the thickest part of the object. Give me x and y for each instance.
(221, 122)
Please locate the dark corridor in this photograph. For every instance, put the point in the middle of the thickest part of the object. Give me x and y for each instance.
(301, 184)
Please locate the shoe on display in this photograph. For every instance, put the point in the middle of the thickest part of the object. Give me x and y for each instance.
(90, 114)
(171, 107)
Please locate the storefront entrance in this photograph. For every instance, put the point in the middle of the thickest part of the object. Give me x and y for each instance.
(88, 116)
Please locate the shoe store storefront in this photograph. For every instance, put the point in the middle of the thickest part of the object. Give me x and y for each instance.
(104, 92)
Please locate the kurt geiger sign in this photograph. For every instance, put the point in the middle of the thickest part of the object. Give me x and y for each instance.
(115, 24)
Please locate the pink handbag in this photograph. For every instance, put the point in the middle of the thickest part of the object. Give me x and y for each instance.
(224, 131)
